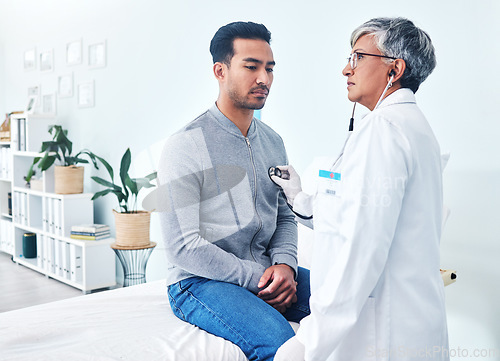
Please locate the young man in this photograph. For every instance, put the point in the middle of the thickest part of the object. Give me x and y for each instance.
(231, 240)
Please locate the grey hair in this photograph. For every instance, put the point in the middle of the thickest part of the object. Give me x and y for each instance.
(400, 38)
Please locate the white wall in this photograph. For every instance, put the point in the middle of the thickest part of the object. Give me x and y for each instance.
(158, 77)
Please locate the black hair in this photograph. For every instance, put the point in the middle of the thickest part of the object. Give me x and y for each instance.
(221, 46)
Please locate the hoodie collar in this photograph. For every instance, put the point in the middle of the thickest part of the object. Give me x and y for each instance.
(228, 125)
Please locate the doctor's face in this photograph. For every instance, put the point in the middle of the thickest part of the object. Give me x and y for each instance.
(367, 81)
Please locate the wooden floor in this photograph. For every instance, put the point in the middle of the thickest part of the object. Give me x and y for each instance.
(22, 287)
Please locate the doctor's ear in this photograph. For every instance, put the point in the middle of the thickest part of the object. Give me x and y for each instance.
(397, 70)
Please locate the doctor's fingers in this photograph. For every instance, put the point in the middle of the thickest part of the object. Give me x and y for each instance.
(290, 169)
(280, 181)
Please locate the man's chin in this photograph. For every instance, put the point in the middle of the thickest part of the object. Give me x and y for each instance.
(257, 106)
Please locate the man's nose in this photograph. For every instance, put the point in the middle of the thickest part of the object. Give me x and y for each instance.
(263, 77)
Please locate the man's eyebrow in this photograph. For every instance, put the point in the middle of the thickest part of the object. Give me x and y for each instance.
(253, 60)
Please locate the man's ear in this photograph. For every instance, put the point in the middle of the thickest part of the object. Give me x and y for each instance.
(219, 71)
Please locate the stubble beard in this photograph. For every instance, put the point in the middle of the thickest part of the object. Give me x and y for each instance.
(244, 102)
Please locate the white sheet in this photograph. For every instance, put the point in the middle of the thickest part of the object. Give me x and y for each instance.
(133, 323)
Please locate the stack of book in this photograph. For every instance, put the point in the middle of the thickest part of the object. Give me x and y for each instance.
(90, 232)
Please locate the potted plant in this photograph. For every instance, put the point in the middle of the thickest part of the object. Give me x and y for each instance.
(68, 177)
(132, 225)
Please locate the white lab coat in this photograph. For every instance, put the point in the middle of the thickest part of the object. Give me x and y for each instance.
(377, 293)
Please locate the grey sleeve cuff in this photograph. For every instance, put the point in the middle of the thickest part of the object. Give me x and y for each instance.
(255, 278)
(282, 258)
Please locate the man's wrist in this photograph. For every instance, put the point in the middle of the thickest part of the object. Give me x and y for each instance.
(284, 264)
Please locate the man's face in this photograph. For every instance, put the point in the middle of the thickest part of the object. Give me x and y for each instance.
(250, 75)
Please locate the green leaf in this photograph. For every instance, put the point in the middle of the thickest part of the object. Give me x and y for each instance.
(46, 161)
(124, 167)
(76, 160)
(152, 176)
(106, 183)
(142, 183)
(101, 194)
(108, 167)
(131, 184)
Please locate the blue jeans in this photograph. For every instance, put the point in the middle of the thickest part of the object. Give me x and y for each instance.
(236, 314)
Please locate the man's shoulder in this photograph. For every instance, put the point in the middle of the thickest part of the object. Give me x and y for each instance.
(264, 129)
(196, 123)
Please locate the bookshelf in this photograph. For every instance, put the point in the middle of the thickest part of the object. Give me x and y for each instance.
(6, 238)
(86, 265)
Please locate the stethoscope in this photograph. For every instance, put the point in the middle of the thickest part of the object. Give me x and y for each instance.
(277, 172)
(389, 84)
(285, 175)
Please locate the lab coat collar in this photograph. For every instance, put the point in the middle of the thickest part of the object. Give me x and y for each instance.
(400, 96)
(227, 124)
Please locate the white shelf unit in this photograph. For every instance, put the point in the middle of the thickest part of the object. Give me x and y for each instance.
(6, 238)
(86, 265)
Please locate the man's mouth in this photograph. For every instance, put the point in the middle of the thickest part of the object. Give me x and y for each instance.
(260, 92)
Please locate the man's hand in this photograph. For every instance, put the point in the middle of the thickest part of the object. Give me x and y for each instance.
(279, 287)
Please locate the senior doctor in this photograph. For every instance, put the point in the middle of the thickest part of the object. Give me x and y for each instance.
(377, 293)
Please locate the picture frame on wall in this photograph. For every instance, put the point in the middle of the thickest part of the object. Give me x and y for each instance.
(86, 96)
(31, 105)
(74, 53)
(35, 91)
(30, 59)
(49, 104)
(47, 61)
(97, 55)
(65, 86)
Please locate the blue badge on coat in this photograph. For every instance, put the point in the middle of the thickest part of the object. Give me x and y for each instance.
(329, 174)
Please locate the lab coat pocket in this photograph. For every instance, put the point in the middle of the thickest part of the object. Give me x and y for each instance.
(361, 342)
(326, 212)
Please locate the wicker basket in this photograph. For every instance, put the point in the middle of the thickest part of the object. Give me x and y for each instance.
(132, 229)
(68, 180)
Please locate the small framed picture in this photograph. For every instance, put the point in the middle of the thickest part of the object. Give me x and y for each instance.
(30, 106)
(97, 55)
(86, 95)
(74, 52)
(49, 104)
(65, 86)
(47, 60)
(30, 59)
(35, 91)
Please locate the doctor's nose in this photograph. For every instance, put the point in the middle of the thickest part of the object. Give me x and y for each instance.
(347, 70)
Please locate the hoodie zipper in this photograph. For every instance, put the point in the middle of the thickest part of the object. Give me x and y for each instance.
(254, 197)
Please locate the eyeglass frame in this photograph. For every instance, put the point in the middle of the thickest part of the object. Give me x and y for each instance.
(351, 58)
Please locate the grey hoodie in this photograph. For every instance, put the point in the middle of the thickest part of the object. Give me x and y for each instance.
(222, 217)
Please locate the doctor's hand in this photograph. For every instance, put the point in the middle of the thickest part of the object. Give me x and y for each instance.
(279, 287)
(291, 186)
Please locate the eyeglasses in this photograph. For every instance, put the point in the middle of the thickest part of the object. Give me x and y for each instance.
(354, 57)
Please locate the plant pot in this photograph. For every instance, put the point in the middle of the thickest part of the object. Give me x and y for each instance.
(68, 180)
(132, 229)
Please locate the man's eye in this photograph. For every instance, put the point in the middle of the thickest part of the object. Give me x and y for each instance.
(269, 70)
(360, 56)
(251, 67)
